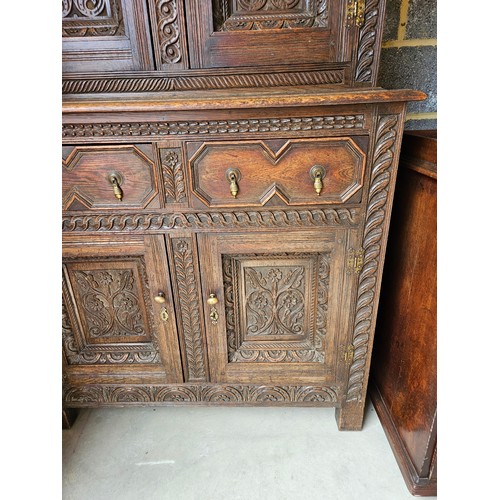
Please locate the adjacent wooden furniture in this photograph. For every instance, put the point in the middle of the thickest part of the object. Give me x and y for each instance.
(403, 379)
(226, 198)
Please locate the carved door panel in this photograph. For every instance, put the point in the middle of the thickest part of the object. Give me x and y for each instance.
(282, 310)
(105, 36)
(118, 315)
(250, 33)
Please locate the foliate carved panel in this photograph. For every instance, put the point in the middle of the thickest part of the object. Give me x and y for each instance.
(235, 15)
(159, 222)
(167, 20)
(81, 18)
(189, 299)
(276, 307)
(203, 393)
(173, 175)
(373, 238)
(114, 311)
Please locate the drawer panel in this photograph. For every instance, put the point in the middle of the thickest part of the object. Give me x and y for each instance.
(256, 173)
(109, 177)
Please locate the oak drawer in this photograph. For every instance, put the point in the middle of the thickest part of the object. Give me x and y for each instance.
(256, 173)
(95, 177)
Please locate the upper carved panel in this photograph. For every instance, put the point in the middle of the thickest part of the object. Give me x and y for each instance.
(233, 15)
(82, 18)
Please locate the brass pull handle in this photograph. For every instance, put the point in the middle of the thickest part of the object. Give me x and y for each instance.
(233, 175)
(115, 182)
(160, 298)
(212, 301)
(317, 174)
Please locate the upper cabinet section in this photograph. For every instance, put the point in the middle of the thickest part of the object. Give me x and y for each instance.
(105, 36)
(203, 44)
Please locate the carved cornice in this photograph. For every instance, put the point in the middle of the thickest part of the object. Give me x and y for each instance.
(150, 222)
(366, 45)
(215, 127)
(206, 82)
(189, 307)
(204, 393)
(373, 238)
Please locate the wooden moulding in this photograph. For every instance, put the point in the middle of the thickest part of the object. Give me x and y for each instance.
(321, 95)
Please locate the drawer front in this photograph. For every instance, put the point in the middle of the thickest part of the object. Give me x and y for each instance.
(101, 177)
(291, 172)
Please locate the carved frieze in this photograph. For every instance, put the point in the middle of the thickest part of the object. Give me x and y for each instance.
(276, 307)
(82, 18)
(215, 127)
(205, 82)
(325, 217)
(373, 239)
(233, 15)
(203, 393)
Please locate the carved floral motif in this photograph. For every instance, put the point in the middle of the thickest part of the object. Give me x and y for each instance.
(274, 305)
(173, 175)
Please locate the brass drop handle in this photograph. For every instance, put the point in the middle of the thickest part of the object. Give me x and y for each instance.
(212, 299)
(233, 175)
(115, 182)
(160, 298)
(317, 174)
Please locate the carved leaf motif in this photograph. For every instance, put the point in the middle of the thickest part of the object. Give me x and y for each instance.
(110, 303)
(173, 175)
(189, 302)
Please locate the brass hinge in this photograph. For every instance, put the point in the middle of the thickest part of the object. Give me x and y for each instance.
(348, 354)
(356, 13)
(355, 260)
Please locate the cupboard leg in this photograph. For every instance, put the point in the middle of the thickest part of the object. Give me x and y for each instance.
(350, 417)
(68, 417)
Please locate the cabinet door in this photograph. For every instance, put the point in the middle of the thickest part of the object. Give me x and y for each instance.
(105, 36)
(283, 306)
(230, 33)
(118, 316)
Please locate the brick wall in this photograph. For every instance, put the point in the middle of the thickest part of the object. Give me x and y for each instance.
(409, 54)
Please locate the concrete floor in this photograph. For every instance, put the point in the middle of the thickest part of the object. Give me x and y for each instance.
(213, 453)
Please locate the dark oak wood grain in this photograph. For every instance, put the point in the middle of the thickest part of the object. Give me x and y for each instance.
(235, 254)
(404, 384)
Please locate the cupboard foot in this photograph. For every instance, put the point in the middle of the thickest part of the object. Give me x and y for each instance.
(350, 417)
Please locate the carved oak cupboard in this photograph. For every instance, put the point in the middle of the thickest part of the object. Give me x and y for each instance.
(225, 246)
